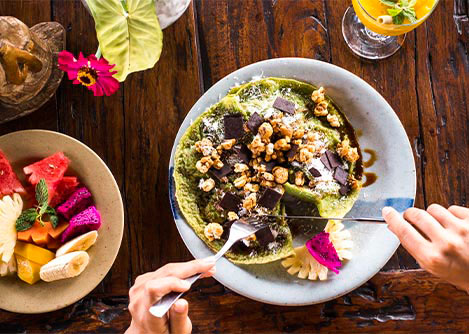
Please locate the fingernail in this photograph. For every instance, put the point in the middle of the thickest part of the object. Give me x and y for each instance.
(180, 307)
(210, 260)
(186, 284)
(386, 211)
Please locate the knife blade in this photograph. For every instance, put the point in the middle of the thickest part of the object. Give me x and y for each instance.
(352, 219)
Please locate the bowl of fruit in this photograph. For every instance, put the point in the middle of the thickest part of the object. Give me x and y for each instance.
(61, 221)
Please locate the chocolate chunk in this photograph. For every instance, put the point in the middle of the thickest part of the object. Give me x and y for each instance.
(341, 176)
(270, 198)
(284, 105)
(244, 154)
(344, 190)
(334, 159)
(325, 161)
(314, 172)
(265, 236)
(254, 122)
(233, 126)
(292, 151)
(230, 202)
(269, 166)
(220, 173)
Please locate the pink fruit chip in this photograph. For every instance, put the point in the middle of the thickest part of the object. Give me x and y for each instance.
(322, 249)
(80, 200)
(86, 221)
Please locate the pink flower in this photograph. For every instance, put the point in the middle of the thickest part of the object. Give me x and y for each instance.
(322, 249)
(91, 72)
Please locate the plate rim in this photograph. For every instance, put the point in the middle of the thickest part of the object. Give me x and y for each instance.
(86, 292)
(233, 75)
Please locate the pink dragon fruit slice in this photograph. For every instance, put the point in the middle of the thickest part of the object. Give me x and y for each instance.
(77, 202)
(322, 249)
(86, 221)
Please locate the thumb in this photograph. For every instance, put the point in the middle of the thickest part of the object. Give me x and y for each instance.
(178, 318)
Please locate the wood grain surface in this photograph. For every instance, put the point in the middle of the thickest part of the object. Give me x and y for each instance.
(426, 83)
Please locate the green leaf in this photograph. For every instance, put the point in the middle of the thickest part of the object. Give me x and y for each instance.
(131, 39)
(26, 220)
(388, 3)
(394, 12)
(410, 15)
(50, 211)
(54, 220)
(42, 193)
(412, 3)
(399, 19)
(404, 3)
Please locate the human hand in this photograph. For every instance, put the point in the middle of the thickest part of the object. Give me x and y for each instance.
(151, 287)
(437, 238)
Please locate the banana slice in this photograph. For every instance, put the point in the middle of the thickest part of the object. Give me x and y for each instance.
(65, 266)
(80, 243)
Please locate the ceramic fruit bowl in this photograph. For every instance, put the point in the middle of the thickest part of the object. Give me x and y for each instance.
(25, 147)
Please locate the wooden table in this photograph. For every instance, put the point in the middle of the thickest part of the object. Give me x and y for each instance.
(426, 83)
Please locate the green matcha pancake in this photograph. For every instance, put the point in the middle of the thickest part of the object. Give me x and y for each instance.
(265, 141)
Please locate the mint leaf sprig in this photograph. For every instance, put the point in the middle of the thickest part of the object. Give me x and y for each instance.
(27, 218)
(400, 10)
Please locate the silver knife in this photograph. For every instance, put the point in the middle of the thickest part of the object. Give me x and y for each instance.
(345, 219)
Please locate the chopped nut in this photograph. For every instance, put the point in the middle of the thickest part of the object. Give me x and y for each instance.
(305, 155)
(265, 131)
(204, 146)
(354, 183)
(299, 133)
(224, 179)
(202, 167)
(299, 178)
(232, 216)
(269, 150)
(228, 144)
(218, 164)
(252, 237)
(268, 158)
(280, 174)
(346, 151)
(312, 136)
(207, 185)
(250, 202)
(219, 149)
(257, 146)
(286, 130)
(268, 184)
(268, 177)
(251, 187)
(240, 181)
(333, 120)
(321, 109)
(239, 168)
(282, 145)
(318, 95)
(213, 231)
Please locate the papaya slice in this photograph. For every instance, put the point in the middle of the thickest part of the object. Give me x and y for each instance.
(56, 232)
(42, 235)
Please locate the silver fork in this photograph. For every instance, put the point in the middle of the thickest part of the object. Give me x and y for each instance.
(239, 230)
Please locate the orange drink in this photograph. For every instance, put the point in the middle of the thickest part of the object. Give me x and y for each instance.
(373, 13)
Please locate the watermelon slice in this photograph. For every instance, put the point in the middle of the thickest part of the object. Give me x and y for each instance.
(9, 182)
(64, 189)
(51, 169)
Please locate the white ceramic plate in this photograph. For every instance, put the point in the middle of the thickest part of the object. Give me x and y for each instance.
(381, 131)
(25, 147)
